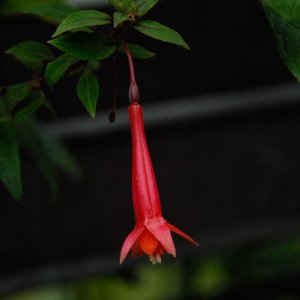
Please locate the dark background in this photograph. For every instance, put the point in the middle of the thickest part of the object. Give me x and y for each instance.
(225, 179)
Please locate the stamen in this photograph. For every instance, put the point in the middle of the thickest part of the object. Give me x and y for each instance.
(158, 258)
(155, 259)
(152, 259)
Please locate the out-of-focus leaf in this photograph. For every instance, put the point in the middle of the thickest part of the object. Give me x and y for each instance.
(80, 19)
(211, 279)
(4, 111)
(125, 6)
(284, 17)
(56, 12)
(34, 102)
(144, 6)
(56, 69)
(16, 93)
(119, 18)
(161, 32)
(18, 6)
(47, 152)
(88, 91)
(86, 46)
(138, 52)
(30, 53)
(118, 5)
(93, 64)
(10, 168)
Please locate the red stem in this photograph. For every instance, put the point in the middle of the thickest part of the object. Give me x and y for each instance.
(130, 62)
(134, 90)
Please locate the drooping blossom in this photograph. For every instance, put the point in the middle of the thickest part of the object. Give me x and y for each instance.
(152, 233)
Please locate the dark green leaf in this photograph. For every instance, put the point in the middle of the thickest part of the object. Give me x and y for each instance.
(130, 7)
(83, 29)
(144, 6)
(4, 111)
(10, 169)
(119, 18)
(30, 53)
(161, 32)
(86, 46)
(138, 52)
(56, 69)
(88, 91)
(93, 64)
(54, 11)
(60, 157)
(126, 6)
(284, 17)
(34, 102)
(118, 5)
(80, 19)
(47, 152)
(16, 93)
(19, 6)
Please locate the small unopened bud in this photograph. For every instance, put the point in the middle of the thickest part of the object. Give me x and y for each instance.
(134, 94)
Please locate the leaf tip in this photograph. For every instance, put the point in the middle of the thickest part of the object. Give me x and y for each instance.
(92, 114)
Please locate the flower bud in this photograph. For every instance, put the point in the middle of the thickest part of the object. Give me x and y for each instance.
(134, 94)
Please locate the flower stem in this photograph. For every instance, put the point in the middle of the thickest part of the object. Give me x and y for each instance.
(134, 89)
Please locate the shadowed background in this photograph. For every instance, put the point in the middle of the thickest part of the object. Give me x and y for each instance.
(222, 123)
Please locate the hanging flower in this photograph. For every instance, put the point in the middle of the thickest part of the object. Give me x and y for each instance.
(152, 233)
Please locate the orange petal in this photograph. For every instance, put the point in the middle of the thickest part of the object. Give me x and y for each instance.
(162, 233)
(148, 243)
(135, 250)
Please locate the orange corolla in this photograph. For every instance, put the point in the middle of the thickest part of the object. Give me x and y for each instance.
(152, 233)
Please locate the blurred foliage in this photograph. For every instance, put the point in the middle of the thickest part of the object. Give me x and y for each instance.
(284, 18)
(207, 277)
(211, 277)
(17, 6)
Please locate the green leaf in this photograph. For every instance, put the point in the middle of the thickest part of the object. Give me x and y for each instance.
(80, 19)
(130, 7)
(118, 5)
(126, 6)
(47, 152)
(284, 17)
(86, 46)
(119, 18)
(59, 156)
(93, 64)
(56, 69)
(30, 53)
(4, 111)
(19, 6)
(144, 6)
(57, 12)
(16, 93)
(88, 91)
(10, 168)
(35, 101)
(138, 52)
(161, 32)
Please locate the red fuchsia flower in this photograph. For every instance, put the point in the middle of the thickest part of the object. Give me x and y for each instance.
(152, 233)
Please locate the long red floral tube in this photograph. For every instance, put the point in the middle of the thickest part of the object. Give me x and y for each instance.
(152, 233)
